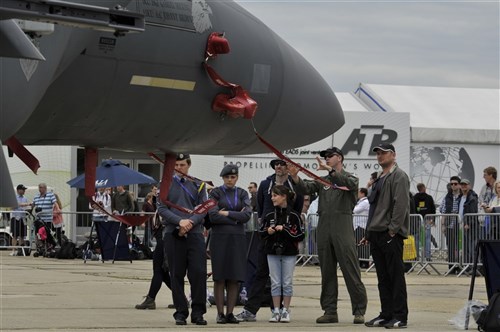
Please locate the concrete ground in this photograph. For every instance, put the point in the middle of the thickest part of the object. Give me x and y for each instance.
(40, 294)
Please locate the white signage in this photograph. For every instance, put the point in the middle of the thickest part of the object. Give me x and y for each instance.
(362, 131)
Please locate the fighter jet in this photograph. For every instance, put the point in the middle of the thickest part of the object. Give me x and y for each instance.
(80, 77)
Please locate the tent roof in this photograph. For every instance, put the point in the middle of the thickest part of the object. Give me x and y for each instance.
(451, 115)
(351, 103)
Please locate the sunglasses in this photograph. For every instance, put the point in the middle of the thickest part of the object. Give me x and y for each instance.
(280, 163)
(454, 183)
(331, 155)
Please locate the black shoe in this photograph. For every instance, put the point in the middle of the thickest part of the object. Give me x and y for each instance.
(377, 322)
(180, 321)
(395, 324)
(230, 319)
(198, 320)
(148, 303)
(221, 319)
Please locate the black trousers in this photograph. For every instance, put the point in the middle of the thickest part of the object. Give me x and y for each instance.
(452, 245)
(187, 254)
(160, 270)
(387, 253)
(257, 293)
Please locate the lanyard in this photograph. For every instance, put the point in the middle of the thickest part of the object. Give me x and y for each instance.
(233, 208)
(185, 189)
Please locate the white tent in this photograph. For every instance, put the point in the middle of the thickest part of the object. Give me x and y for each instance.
(446, 115)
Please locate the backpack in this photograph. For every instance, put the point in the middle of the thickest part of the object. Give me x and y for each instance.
(67, 251)
(489, 320)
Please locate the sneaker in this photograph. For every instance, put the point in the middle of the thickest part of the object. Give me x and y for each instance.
(395, 324)
(14, 253)
(285, 316)
(275, 317)
(327, 319)
(246, 316)
(358, 319)
(377, 322)
(148, 303)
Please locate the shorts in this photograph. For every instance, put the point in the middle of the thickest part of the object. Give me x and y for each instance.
(17, 228)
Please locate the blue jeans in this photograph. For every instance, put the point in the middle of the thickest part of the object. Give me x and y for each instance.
(281, 273)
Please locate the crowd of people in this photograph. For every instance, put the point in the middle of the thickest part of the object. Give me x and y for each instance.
(279, 202)
(350, 217)
(46, 204)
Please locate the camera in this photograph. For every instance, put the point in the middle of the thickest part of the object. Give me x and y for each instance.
(278, 248)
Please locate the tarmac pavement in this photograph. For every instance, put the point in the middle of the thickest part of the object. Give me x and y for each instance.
(40, 294)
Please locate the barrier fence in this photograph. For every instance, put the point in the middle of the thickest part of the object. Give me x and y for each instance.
(76, 226)
(438, 239)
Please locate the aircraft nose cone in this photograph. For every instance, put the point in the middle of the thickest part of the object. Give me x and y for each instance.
(308, 106)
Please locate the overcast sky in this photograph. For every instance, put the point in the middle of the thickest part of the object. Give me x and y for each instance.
(426, 43)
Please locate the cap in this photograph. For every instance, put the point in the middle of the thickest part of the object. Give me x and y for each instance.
(465, 181)
(331, 151)
(182, 156)
(386, 147)
(229, 169)
(21, 186)
(277, 161)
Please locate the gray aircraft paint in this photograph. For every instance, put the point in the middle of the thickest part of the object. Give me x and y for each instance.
(81, 95)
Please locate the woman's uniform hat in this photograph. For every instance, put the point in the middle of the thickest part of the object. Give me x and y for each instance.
(229, 169)
(182, 156)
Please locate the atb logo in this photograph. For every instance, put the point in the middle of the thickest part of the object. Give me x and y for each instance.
(378, 134)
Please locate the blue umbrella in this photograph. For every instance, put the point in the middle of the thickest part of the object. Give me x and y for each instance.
(113, 173)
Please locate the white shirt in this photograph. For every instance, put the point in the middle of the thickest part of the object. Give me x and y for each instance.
(103, 198)
(361, 213)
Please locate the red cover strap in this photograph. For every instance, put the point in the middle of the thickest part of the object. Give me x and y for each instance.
(217, 78)
(236, 104)
(20, 150)
(166, 181)
(302, 169)
(216, 44)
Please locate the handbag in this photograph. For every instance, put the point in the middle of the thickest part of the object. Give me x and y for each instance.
(409, 249)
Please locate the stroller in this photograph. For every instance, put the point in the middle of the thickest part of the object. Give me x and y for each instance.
(44, 241)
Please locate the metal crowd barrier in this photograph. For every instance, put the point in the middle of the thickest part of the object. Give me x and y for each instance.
(440, 240)
(309, 253)
(445, 250)
(6, 233)
(475, 227)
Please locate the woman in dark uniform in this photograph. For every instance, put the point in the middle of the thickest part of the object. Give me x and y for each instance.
(228, 242)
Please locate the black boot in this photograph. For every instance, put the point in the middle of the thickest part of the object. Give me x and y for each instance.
(148, 303)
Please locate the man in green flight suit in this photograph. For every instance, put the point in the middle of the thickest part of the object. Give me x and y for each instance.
(335, 235)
